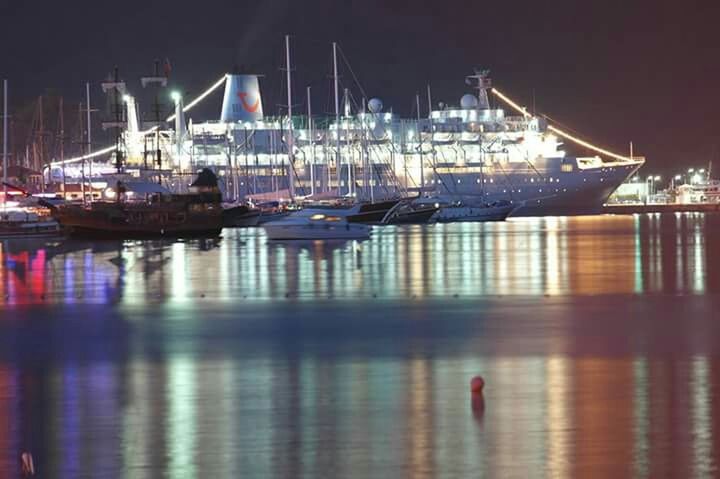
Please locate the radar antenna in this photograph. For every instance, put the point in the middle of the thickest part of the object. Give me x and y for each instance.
(481, 81)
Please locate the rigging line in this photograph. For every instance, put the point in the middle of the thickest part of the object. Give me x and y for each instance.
(437, 175)
(347, 63)
(528, 161)
(560, 132)
(507, 179)
(186, 108)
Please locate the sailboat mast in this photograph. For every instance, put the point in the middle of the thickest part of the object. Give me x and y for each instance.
(82, 151)
(432, 134)
(291, 153)
(347, 142)
(419, 133)
(312, 144)
(337, 117)
(5, 138)
(89, 137)
(62, 146)
(429, 95)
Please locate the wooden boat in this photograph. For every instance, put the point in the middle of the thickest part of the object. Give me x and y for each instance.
(476, 213)
(141, 210)
(239, 216)
(410, 213)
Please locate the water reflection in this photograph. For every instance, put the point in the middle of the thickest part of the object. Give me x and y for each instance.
(307, 417)
(597, 337)
(543, 256)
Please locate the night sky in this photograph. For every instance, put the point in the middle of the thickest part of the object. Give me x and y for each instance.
(614, 71)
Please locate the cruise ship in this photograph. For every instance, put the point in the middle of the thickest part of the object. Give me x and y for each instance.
(472, 152)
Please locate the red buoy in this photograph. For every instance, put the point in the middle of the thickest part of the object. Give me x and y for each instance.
(477, 384)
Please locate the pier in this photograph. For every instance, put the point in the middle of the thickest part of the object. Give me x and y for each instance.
(637, 208)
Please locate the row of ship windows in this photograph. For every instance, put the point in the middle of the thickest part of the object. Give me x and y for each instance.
(491, 180)
(532, 180)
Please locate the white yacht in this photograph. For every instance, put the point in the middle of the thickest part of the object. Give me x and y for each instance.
(315, 224)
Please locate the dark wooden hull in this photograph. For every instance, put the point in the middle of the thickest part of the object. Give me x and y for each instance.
(412, 217)
(240, 217)
(372, 213)
(114, 234)
(117, 221)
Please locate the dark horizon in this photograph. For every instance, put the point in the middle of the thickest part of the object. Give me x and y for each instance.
(614, 73)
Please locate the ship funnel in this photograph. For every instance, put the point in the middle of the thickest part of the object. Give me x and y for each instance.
(242, 101)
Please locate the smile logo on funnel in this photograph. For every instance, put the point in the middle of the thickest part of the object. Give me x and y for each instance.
(251, 108)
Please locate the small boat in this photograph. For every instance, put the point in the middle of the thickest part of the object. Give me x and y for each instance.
(143, 209)
(371, 212)
(315, 224)
(365, 212)
(239, 215)
(25, 224)
(410, 213)
(460, 212)
(271, 211)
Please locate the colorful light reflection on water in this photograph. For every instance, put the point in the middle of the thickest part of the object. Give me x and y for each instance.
(555, 256)
(598, 338)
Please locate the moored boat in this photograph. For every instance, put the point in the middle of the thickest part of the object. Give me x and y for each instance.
(239, 216)
(315, 224)
(142, 209)
(411, 213)
(24, 224)
(459, 212)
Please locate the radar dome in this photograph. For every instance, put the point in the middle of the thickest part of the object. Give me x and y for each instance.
(375, 105)
(468, 102)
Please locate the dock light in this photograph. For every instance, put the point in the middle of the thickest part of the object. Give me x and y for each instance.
(126, 98)
(702, 170)
(176, 96)
(657, 178)
(690, 170)
(678, 177)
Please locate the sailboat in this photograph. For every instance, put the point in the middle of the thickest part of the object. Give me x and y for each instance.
(26, 217)
(453, 208)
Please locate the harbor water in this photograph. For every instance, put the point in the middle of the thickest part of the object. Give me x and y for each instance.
(598, 339)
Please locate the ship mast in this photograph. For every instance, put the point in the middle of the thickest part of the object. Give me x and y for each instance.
(61, 138)
(312, 144)
(419, 134)
(346, 102)
(5, 139)
(82, 153)
(291, 153)
(483, 85)
(157, 80)
(432, 133)
(89, 139)
(337, 117)
(117, 91)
